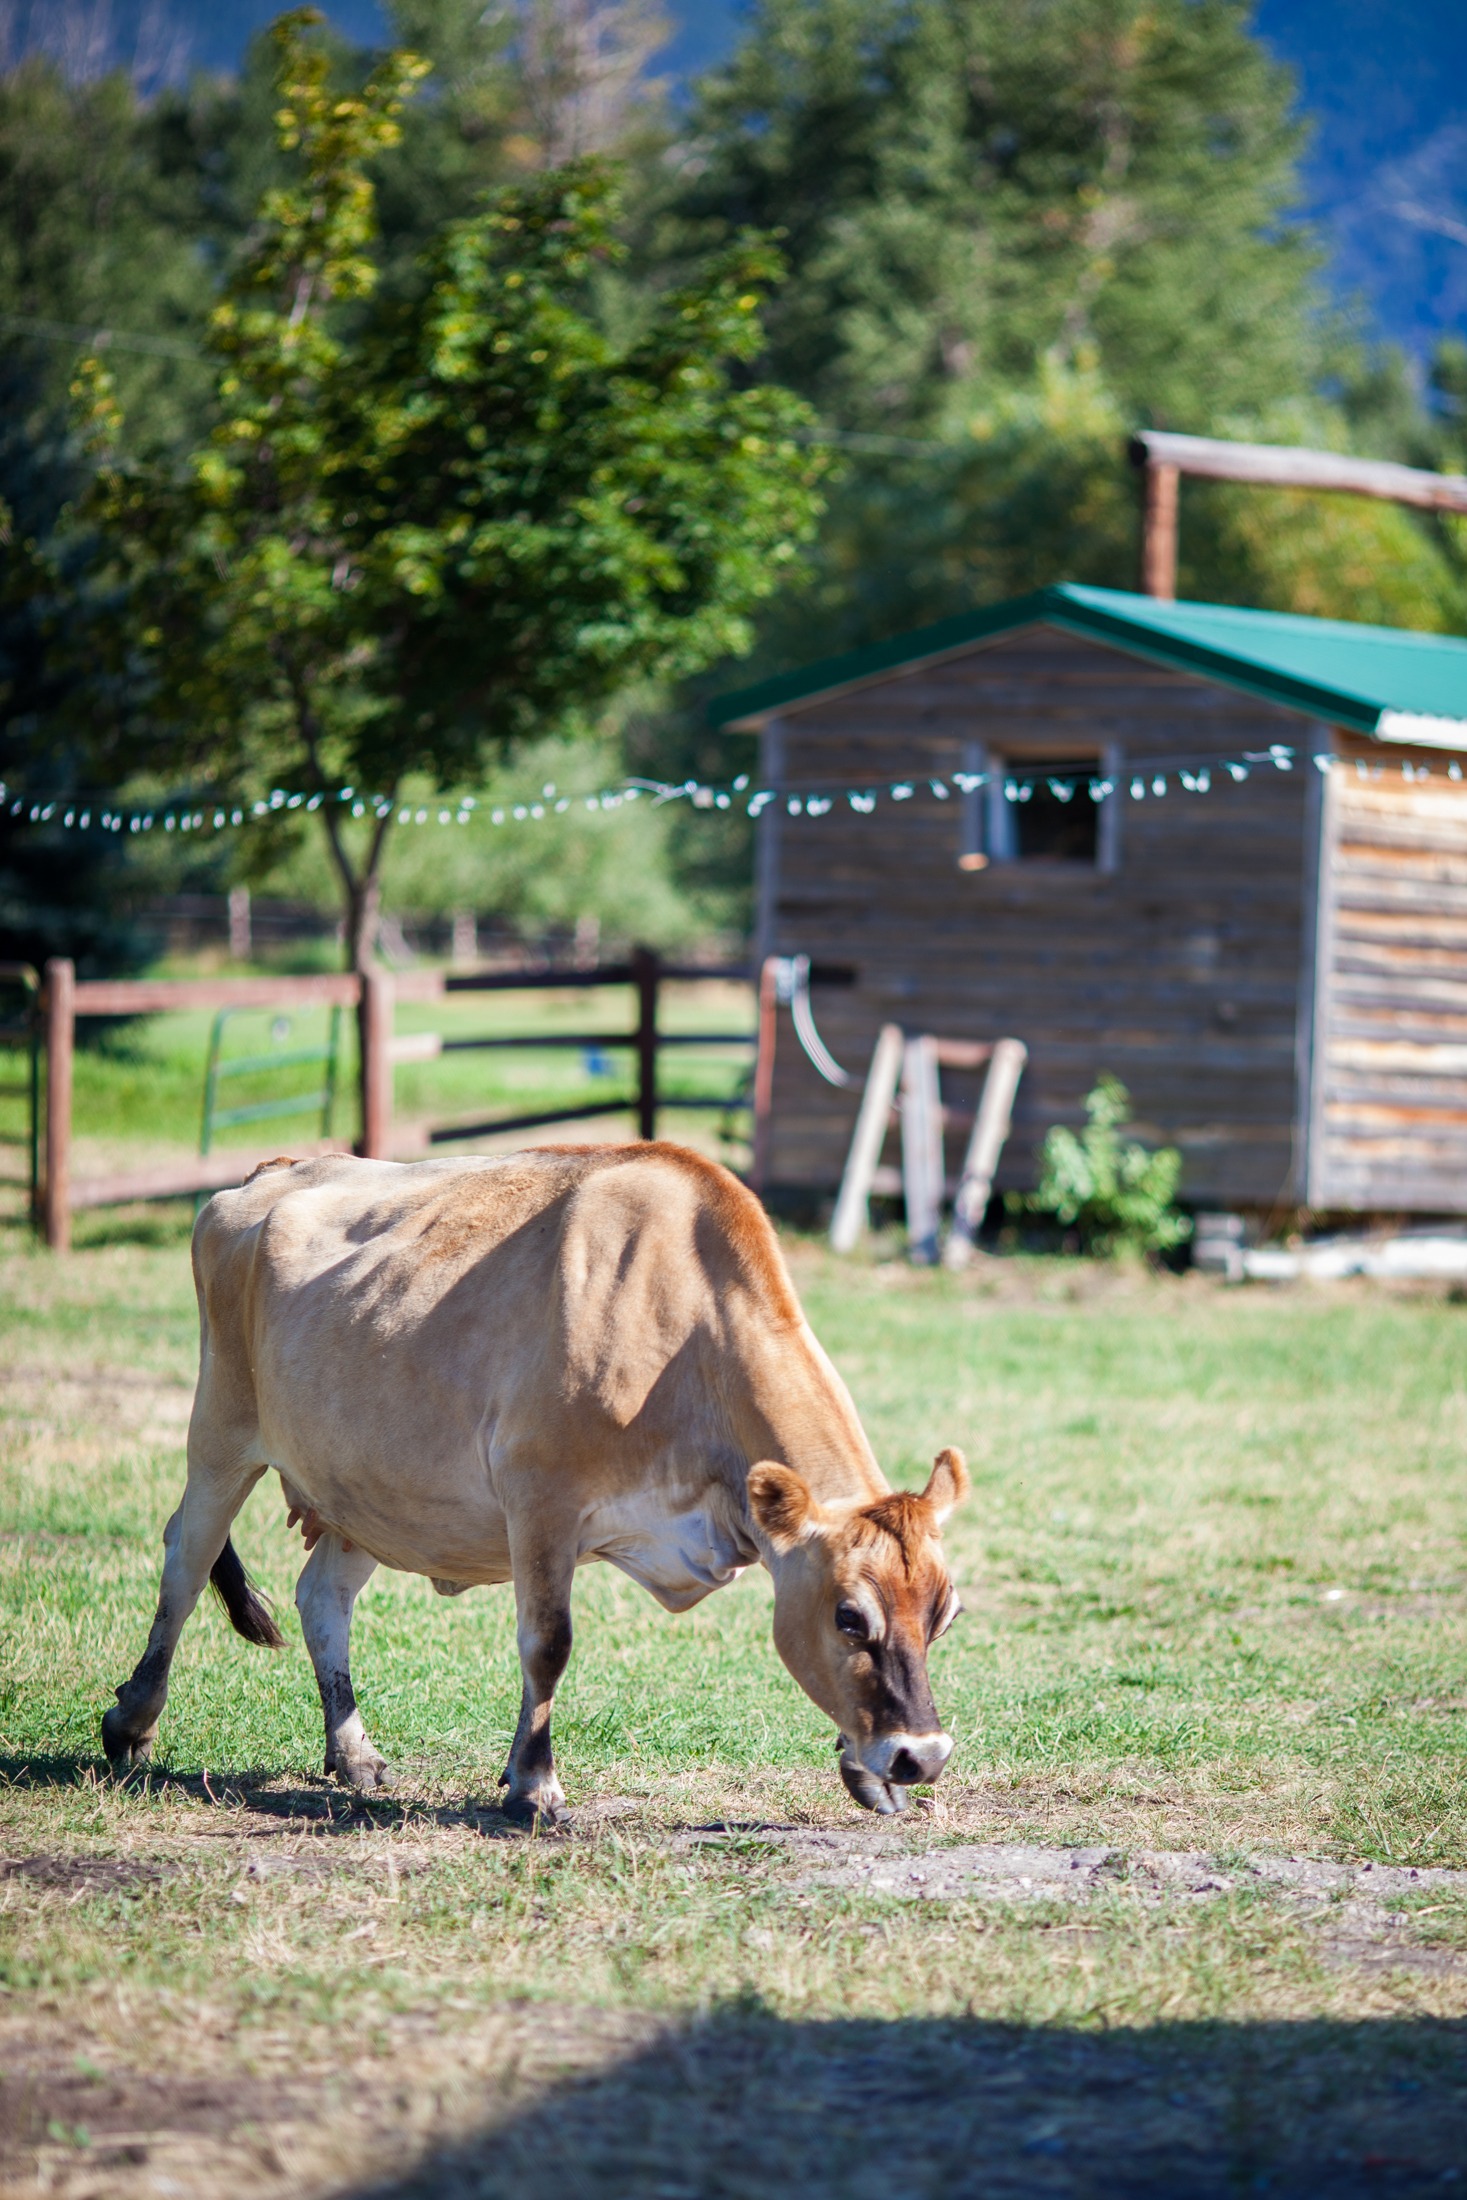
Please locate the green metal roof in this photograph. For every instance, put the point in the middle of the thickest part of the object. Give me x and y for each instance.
(1363, 677)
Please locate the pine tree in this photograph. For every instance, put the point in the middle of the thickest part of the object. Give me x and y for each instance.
(1018, 230)
(99, 243)
(966, 186)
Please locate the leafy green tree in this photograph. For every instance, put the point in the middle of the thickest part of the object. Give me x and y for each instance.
(1114, 1194)
(423, 530)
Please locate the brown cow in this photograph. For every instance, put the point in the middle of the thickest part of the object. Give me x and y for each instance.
(498, 1370)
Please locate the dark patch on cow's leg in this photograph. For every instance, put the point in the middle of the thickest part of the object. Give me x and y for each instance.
(325, 1596)
(192, 1542)
(130, 1729)
(542, 1598)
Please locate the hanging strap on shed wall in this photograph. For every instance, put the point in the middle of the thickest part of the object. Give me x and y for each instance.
(792, 989)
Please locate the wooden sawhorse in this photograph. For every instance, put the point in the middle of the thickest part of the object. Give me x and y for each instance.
(913, 1063)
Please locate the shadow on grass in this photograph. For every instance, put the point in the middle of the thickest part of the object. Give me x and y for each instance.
(748, 2104)
(324, 1806)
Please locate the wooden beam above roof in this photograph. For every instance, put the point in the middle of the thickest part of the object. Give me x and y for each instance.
(1277, 466)
(1163, 459)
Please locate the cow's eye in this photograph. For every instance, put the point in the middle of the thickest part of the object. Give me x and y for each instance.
(851, 1620)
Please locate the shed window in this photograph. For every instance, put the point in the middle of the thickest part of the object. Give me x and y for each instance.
(1054, 820)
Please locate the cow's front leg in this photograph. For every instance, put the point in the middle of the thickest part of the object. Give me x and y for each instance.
(192, 1543)
(325, 1595)
(542, 1593)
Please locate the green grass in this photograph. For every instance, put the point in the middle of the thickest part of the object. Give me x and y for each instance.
(1213, 1569)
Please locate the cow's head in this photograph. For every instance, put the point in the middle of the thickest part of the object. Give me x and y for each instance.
(860, 1593)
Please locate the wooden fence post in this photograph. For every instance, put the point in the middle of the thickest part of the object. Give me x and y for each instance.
(764, 1071)
(645, 967)
(1159, 488)
(59, 1011)
(376, 1028)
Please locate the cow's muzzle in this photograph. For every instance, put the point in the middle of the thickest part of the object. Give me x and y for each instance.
(907, 1759)
(879, 1773)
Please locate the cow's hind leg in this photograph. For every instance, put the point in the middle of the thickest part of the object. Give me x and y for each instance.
(325, 1595)
(196, 1547)
(542, 1590)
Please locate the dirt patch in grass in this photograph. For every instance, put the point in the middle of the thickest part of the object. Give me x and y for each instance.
(80, 1874)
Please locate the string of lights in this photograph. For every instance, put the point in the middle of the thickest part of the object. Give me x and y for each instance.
(1150, 780)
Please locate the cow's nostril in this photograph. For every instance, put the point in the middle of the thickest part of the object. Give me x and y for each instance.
(905, 1770)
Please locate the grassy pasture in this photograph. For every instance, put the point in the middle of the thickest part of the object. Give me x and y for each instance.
(1214, 1574)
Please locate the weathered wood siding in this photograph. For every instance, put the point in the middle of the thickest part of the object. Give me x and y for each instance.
(1389, 1130)
(1182, 972)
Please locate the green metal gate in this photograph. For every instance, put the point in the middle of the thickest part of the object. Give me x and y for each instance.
(221, 1068)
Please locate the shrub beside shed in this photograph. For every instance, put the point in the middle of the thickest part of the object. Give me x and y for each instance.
(1276, 967)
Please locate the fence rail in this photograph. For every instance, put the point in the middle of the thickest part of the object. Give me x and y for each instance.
(648, 973)
(375, 998)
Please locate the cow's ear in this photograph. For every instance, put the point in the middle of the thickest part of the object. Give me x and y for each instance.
(949, 1484)
(781, 1503)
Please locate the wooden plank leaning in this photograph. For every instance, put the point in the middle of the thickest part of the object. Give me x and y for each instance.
(990, 1130)
(922, 1159)
(867, 1140)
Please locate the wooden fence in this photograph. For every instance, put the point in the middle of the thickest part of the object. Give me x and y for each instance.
(65, 999)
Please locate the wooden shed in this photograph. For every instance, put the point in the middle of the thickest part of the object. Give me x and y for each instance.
(1119, 848)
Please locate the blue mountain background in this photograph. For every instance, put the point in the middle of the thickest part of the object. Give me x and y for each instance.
(1383, 83)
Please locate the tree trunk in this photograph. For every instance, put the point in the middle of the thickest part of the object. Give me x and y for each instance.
(364, 908)
(362, 890)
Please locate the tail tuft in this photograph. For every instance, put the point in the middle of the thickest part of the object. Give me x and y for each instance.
(249, 1613)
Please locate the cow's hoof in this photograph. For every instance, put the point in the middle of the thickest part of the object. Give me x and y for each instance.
(540, 1812)
(882, 1796)
(124, 1748)
(365, 1770)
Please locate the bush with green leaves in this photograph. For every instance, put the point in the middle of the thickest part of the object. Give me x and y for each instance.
(1111, 1192)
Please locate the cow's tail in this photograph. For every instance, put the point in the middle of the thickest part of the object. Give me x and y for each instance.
(249, 1613)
